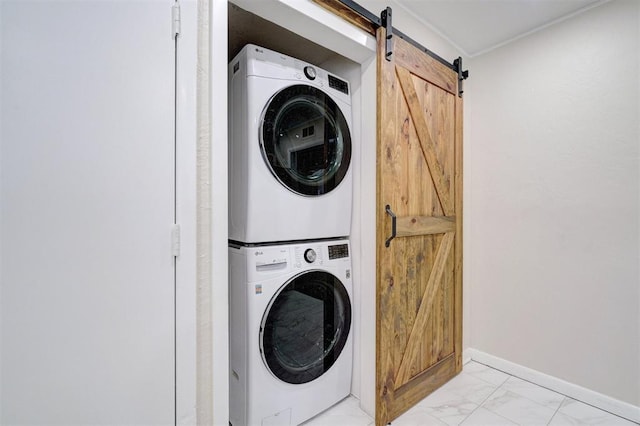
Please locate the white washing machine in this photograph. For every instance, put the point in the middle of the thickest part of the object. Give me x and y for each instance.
(289, 149)
(290, 331)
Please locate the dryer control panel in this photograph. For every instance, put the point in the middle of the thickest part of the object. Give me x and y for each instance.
(262, 62)
(338, 251)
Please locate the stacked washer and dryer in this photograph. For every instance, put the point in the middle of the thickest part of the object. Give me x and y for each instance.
(290, 196)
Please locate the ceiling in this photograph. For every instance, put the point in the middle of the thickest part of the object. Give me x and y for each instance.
(477, 26)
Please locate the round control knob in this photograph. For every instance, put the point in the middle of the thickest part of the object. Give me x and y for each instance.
(310, 255)
(310, 72)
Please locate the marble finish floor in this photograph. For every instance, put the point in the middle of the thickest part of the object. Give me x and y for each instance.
(481, 395)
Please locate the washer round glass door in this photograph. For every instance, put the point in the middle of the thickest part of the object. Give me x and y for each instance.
(305, 140)
(305, 327)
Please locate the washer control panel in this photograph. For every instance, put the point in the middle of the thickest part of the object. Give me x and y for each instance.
(308, 255)
(269, 261)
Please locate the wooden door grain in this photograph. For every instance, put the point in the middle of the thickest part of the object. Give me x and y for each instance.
(419, 272)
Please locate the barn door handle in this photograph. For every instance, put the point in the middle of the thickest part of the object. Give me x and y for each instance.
(393, 225)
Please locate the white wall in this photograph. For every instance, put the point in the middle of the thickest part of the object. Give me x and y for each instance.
(553, 179)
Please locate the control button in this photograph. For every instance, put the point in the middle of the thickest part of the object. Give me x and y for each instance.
(310, 255)
(310, 72)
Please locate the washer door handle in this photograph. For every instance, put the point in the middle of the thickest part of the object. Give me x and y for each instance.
(393, 225)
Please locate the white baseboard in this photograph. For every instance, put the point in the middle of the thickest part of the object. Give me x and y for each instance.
(606, 403)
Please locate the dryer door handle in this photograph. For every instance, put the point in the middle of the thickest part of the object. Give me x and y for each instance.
(393, 225)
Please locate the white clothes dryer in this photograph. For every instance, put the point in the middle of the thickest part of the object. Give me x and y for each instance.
(290, 331)
(289, 149)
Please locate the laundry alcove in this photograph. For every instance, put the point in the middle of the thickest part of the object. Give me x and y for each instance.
(314, 35)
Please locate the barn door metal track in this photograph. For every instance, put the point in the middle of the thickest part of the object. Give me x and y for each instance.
(385, 21)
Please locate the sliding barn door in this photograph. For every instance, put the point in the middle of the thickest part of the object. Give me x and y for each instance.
(419, 275)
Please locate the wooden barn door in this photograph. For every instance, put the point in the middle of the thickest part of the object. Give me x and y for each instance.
(419, 275)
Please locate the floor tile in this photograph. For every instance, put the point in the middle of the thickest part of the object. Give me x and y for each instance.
(470, 387)
(535, 393)
(573, 412)
(480, 396)
(447, 406)
(484, 417)
(346, 412)
(417, 416)
(518, 409)
(485, 373)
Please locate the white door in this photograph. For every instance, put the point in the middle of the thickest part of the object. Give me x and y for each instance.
(86, 212)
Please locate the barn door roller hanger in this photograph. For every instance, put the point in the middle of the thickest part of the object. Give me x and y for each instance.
(372, 22)
(386, 22)
(462, 75)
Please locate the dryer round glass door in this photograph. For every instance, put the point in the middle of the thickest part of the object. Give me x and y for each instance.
(305, 327)
(305, 140)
